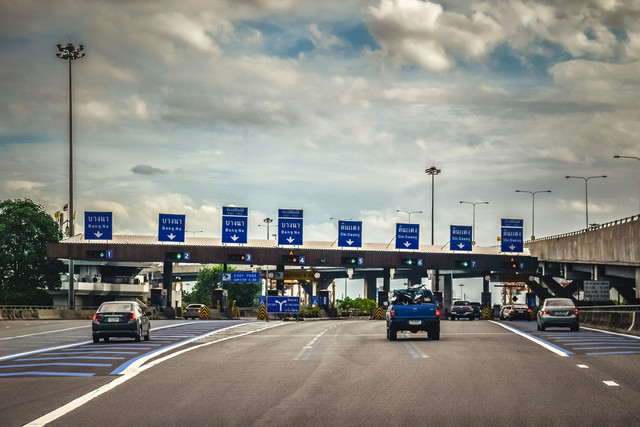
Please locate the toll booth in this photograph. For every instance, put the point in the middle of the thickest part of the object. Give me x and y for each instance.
(324, 299)
(383, 296)
(158, 298)
(219, 299)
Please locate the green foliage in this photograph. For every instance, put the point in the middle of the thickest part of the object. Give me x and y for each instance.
(360, 305)
(25, 270)
(209, 278)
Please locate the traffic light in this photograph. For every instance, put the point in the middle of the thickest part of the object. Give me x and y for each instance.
(349, 260)
(291, 258)
(465, 263)
(177, 256)
(514, 264)
(101, 254)
(239, 257)
(409, 262)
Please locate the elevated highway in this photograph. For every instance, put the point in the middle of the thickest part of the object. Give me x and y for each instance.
(608, 252)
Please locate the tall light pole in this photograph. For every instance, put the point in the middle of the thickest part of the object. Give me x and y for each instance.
(586, 193)
(268, 222)
(461, 295)
(409, 212)
(69, 53)
(626, 157)
(533, 209)
(473, 225)
(433, 171)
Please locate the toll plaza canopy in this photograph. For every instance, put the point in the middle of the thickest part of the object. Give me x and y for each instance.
(203, 250)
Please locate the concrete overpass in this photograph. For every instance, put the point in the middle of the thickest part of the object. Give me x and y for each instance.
(609, 252)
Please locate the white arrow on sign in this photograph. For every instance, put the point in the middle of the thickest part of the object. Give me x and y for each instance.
(290, 239)
(98, 234)
(171, 236)
(234, 237)
(407, 244)
(461, 245)
(349, 242)
(512, 247)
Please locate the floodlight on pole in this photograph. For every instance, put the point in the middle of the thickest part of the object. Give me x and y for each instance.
(586, 193)
(433, 171)
(533, 209)
(70, 53)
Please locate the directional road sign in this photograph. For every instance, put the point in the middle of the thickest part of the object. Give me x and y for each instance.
(240, 277)
(511, 239)
(290, 227)
(98, 225)
(171, 228)
(234, 224)
(407, 236)
(350, 234)
(461, 238)
(283, 304)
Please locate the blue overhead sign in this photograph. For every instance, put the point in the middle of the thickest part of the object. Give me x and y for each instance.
(171, 228)
(240, 277)
(283, 304)
(234, 224)
(511, 237)
(461, 238)
(98, 225)
(290, 227)
(350, 234)
(407, 236)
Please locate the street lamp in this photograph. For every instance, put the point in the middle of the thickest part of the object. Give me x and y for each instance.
(473, 226)
(407, 212)
(69, 53)
(433, 171)
(267, 221)
(586, 193)
(461, 296)
(533, 209)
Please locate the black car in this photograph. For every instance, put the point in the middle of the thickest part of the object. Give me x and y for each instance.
(519, 311)
(462, 310)
(120, 319)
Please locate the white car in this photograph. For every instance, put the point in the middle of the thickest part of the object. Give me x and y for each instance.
(192, 311)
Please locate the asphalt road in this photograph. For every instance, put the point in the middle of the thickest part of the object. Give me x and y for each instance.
(341, 372)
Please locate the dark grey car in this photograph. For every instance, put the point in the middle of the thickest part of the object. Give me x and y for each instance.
(120, 319)
(558, 312)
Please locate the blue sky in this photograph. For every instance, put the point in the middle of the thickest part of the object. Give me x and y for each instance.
(336, 108)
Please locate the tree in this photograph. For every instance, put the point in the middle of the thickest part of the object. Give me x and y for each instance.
(25, 270)
(209, 278)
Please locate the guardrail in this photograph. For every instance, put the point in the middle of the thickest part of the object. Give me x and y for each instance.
(592, 228)
(614, 318)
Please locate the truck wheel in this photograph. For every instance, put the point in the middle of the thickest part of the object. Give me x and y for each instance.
(393, 334)
(434, 334)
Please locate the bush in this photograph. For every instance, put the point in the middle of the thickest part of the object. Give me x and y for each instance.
(361, 306)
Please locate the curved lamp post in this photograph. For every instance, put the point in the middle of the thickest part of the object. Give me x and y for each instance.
(473, 226)
(408, 212)
(533, 209)
(586, 193)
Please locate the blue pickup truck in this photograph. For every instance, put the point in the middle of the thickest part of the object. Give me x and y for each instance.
(413, 309)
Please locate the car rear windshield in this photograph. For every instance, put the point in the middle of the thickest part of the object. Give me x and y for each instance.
(116, 307)
(560, 302)
(461, 303)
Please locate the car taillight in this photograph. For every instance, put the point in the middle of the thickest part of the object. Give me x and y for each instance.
(438, 313)
(198, 310)
(513, 310)
(545, 311)
(96, 318)
(528, 310)
(575, 311)
(131, 317)
(392, 312)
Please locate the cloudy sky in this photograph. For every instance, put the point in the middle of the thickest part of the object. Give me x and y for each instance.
(333, 107)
